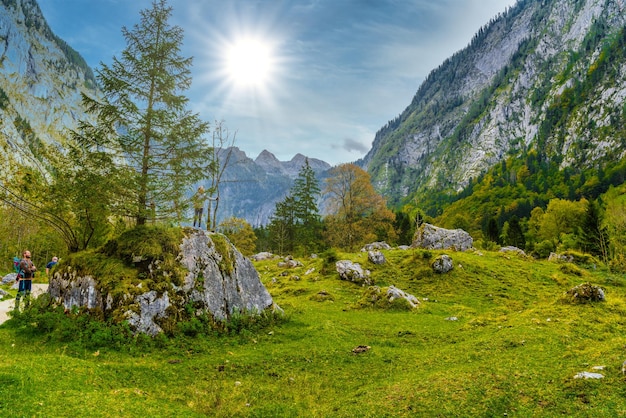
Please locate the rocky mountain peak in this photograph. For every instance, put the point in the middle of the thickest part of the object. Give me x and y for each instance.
(511, 90)
(42, 79)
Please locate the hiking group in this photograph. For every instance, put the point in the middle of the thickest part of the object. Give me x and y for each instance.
(25, 274)
(25, 270)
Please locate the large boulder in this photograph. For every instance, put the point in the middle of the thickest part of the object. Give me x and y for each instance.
(434, 238)
(353, 272)
(9, 278)
(216, 279)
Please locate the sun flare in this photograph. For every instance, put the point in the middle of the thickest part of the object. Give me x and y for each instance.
(249, 62)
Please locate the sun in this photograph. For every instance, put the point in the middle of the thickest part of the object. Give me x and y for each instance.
(249, 62)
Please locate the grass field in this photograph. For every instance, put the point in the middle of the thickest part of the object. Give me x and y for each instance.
(513, 350)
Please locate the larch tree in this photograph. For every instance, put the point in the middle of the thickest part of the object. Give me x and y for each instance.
(357, 213)
(142, 116)
(240, 233)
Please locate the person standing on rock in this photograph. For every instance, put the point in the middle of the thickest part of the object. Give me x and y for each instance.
(25, 277)
(198, 206)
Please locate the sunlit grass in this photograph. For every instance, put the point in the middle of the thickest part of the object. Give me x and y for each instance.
(514, 349)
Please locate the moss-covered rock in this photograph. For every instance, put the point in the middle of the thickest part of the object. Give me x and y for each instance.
(150, 276)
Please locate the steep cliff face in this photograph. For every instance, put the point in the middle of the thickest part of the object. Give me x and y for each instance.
(41, 81)
(536, 77)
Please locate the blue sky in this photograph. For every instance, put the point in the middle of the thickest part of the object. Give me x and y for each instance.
(338, 70)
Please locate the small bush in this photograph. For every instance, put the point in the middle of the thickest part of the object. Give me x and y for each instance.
(322, 296)
(618, 264)
(330, 257)
(544, 248)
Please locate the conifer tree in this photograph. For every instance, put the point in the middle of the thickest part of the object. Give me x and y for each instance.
(592, 236)
(143, 117)
(306, 191)
(296, 223)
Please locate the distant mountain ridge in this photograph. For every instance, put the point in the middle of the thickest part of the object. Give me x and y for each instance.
(251, 188)
(534, 78)
(41, 82)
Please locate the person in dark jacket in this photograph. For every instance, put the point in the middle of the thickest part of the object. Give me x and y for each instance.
(25, 277)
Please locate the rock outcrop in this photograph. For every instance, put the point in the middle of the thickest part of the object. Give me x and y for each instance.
(353, 272)
(434, 238)
(219, 281)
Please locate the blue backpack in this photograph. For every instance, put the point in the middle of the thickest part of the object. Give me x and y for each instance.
(16, 267)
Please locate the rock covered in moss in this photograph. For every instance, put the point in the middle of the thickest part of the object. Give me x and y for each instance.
(443, 264)
(586, 292)
(388, 297)
(151, 290)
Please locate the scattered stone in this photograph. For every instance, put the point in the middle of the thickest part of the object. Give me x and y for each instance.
(353, 272)
(598, 368)
(443, 264)
(588, 375)
(361, 349)
(309, 271)
(452, 318)
(512, 249)
(554, 257)
(394, 293)
(404, 247)
(376, 257)
(431, 237)
(586, 292)
(262, 256)
(376, 246)
(289, 264)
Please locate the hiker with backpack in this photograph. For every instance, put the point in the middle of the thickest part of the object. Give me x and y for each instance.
(25, 277)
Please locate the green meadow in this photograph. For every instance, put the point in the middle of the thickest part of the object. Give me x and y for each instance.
(498, 336)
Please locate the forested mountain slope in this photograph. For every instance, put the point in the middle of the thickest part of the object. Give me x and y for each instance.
(547, 77)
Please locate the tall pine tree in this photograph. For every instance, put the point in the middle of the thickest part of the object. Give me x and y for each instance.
(306, 191)
(296, 224)
(142, 115)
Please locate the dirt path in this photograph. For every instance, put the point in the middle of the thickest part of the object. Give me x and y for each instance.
(7, 305)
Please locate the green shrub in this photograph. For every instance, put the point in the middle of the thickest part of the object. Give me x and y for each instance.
(544, 248)
(571, 269)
